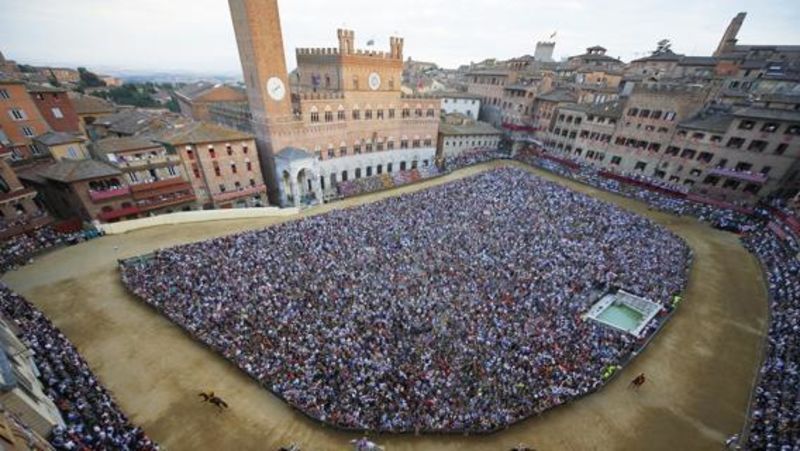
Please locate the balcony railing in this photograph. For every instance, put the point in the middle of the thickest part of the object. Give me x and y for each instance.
(24, 227)
(109, 194)
(14, 195)
(222, 197)
(153, 161)
(167, 202)
(754, 177)
(119, 213)
(159, 184)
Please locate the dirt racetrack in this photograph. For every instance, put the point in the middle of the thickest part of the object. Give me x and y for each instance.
(700, 368)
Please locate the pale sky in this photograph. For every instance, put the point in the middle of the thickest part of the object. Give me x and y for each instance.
(197, 35)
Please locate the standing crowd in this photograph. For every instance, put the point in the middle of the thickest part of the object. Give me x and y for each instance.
(19, 250)
(775, 410)
(359, 186)
(457, 308)
(473, 157)
(93, 421)
(585, 173)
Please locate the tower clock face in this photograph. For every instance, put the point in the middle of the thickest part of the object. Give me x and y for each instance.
(276, 89)
(374, 81)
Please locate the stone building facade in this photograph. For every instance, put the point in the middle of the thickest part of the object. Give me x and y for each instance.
(19, 210)
(56, 108)
(459, 134)
(86, 189)
(344, 107)
(155, 176)
(462, 103)
(20, 121)
(21, 392)
(671, 133)
(196, 100)
(221, 164)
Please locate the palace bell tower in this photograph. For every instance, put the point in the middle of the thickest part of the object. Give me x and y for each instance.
(257, 25)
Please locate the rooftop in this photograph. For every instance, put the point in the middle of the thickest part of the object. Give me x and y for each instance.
(520, 87)
(127, 122)
(768, 113)
(293, 154)
(606, 109)
(196, 90)
(113, 145)
(457, 95)
(698, 61)
(558, 95)
(666, 56)
(467, 127)
(57, 138)
(6, 79)
(33, 87)
(495, 72)
(715, 120)
(91, 105)
(193, 90)
(202, 132)
(68, 171)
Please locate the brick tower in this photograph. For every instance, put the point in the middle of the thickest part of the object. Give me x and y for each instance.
(728, 42)
(257, 25)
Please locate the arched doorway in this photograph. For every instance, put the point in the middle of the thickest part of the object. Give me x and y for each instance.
(304, 186)
(286, 181)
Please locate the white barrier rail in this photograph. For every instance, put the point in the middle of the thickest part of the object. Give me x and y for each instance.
(189, 217)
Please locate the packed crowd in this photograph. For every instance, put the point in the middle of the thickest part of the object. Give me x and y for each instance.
(19, 250)
(775, 412)
(93, 420)
(473, 157)
(384, 181)
(719, 217)
(456, 308)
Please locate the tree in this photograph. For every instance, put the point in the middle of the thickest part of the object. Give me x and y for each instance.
(130, 94)
(90, 79)
(27, 69)
(663, 46)
(173, 105)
